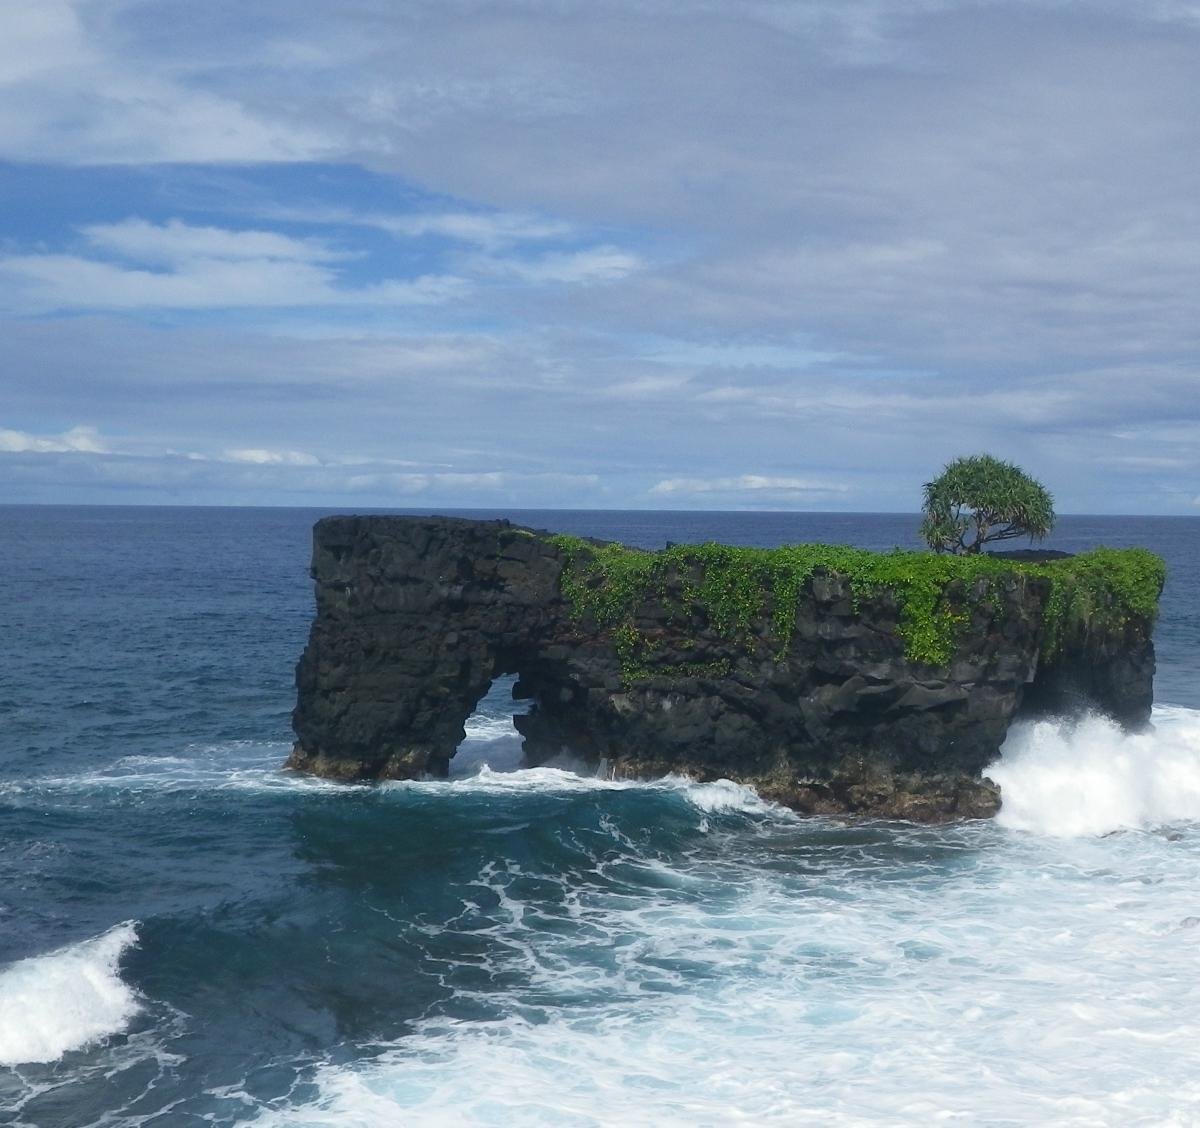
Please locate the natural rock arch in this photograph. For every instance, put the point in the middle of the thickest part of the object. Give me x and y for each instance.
(416, 616)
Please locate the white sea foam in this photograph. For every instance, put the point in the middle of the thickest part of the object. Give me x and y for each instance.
(1034, 981)
(489, 742)
(724, 795)
(231, 766)
(720, 795)
(479, 727)
(66, 999)
(1089, 777)
(488, 762)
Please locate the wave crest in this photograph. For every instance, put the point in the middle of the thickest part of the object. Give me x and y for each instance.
(66, 999)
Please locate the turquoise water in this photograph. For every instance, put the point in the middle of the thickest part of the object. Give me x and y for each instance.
(189, 935)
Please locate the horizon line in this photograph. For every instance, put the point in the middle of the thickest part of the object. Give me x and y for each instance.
(434, 510)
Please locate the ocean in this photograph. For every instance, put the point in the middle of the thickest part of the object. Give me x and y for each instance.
(191, 936)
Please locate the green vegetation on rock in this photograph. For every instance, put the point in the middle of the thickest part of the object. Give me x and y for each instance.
(750, 595)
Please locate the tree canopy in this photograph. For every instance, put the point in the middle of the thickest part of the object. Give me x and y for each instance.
(980, 499)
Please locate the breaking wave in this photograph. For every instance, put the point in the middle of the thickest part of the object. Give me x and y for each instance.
(1089, 777)
(65, 1000)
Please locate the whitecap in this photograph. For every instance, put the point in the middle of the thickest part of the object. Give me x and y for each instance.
(231, 766)
(66, 999)
(723, 795)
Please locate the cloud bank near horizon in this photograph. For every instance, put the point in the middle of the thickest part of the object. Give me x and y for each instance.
(638, 253)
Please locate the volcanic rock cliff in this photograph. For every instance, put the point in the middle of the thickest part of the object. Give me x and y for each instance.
(833, 680)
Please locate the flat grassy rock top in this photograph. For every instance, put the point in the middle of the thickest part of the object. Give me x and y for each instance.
(606, 582)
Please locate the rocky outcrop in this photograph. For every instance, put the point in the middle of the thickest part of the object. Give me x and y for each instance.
(416, 616)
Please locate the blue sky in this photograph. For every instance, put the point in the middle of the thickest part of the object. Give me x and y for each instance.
(617, 253)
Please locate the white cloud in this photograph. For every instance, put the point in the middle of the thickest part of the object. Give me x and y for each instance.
(734, 354)
(747, 483)
(648, 386)
(404, 483)
(524, 405)
(259, 456)
(175, 265)
(484, 229)
(176, 478)
(187, 267)
(176, 242)
(74, 88)
(77, 440)
(595, 264)
(38, 283)
(39, 38)
(491, 230)
(1148, 462)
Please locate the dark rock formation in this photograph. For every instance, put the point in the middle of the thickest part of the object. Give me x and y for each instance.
(416, 616)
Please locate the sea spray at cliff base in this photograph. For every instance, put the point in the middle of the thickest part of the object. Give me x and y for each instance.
(1086, 776)
(538, 947)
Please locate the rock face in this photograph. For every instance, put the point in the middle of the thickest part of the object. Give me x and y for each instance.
(416, 616)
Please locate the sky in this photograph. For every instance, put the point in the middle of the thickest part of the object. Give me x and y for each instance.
(765, 254)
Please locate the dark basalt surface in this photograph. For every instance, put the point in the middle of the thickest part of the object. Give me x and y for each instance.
(416, 616)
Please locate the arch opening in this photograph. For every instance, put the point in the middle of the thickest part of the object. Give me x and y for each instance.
(491, 738)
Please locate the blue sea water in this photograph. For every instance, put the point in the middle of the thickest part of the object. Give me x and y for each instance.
(191, 936)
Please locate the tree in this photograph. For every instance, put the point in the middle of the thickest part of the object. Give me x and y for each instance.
(981, 499)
